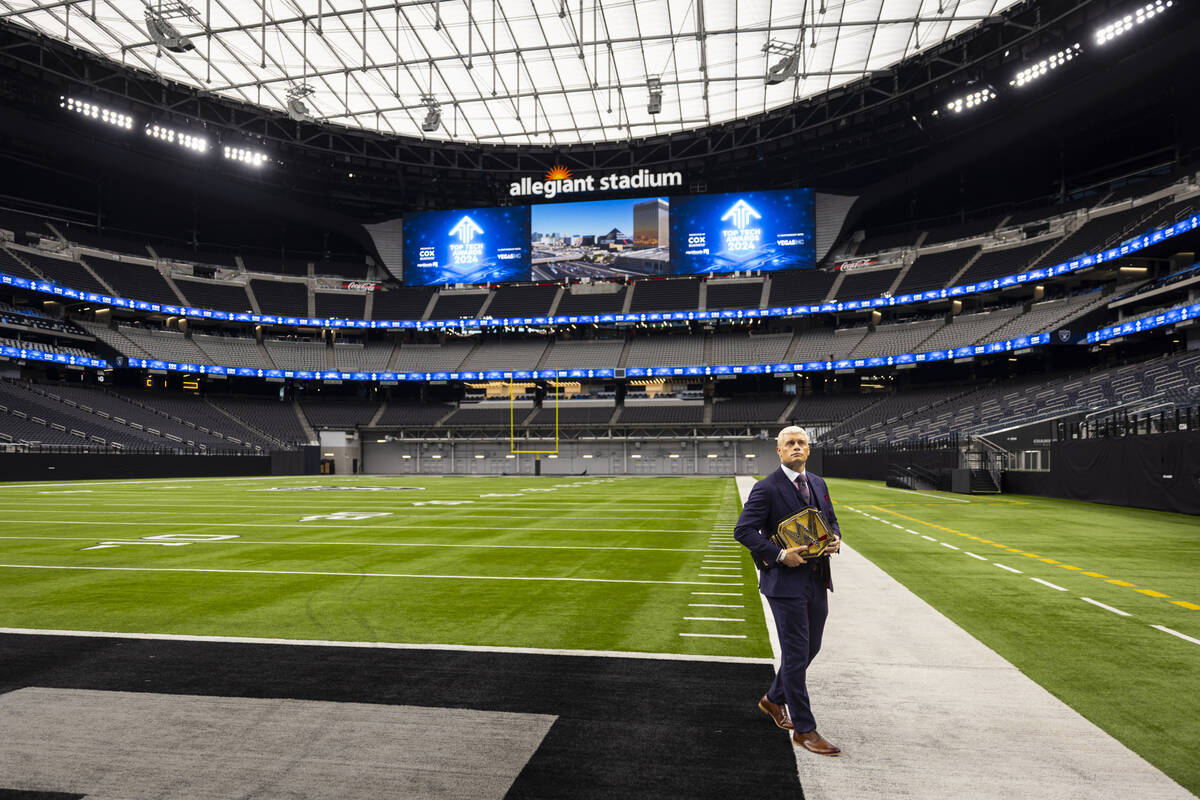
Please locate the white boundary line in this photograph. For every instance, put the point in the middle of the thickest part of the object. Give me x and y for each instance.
(391, 645)
(369, 575)
(923, 494)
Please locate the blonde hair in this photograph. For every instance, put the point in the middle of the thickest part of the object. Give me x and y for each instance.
(788, 430)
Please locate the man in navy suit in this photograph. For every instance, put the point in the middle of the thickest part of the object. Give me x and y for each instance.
(795, 588)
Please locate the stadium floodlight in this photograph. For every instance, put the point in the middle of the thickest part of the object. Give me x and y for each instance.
(196, 143)
(1126, 23)
(251, 157)
(162, 32)
(296, 107)
(655, 85)
(788, 65)
(433, 113)
(94, 111)
(1035, 71)
(969, 101)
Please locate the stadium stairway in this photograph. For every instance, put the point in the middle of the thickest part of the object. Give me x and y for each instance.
(243, 423)
(983, 482)
(379, 412)
(308, 429)
(787, 412)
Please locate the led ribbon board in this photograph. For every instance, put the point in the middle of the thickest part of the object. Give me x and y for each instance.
(1171, 316)
(1008, 345)
(992, 284)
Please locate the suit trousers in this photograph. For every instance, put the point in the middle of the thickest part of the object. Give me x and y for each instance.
(800, 622)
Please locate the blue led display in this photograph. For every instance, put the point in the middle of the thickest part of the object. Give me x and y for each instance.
(482, 245)
(1171, 316)
(744, 231)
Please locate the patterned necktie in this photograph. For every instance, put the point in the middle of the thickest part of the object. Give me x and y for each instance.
(805, 494)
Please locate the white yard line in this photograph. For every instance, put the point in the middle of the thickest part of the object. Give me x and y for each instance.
(1054, 586)
(716, 636)
(475, 545)
(1106, 607)
(1176, 634)
(744, 484)
(294, 509)
(366, 575)
(550, 525)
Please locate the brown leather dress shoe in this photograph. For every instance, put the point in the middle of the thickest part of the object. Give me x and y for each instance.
(814, 742)
(776, 712)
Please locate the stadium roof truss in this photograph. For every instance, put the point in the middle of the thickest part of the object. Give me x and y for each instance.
(523, 72)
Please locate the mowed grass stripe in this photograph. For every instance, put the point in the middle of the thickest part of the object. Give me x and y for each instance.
(498, 547)
(1071, 647)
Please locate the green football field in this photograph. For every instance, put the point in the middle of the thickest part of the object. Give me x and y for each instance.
(1100, 605)
(590, 563)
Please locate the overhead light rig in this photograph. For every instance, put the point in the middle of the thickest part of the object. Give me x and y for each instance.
(196, 142)
(1043, 66)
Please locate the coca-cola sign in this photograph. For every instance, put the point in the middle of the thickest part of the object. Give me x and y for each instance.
(362, 286)
(858, 263)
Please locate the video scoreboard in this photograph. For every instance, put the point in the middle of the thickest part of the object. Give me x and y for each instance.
(630, 237)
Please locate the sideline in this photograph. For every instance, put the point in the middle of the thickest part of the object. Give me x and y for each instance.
(922, 709)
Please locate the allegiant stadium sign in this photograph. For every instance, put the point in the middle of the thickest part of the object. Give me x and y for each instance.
(559, 181)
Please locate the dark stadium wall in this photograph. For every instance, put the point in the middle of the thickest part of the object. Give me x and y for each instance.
(99, 466)
(874, 466)
(1159, 472)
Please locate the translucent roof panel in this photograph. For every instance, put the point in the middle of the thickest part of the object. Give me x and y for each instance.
(508, 71)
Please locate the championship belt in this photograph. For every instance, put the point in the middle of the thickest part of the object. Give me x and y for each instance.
(806, 530)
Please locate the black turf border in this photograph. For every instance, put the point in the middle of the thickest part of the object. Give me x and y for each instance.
(626, 727)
